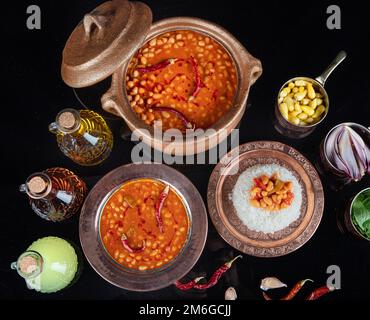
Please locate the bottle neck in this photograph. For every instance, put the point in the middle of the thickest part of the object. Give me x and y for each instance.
(29, 264)
(40, 186)
(37, 186)
(68, 121)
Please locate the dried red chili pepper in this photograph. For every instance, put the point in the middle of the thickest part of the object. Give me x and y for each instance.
(178, 114)
(297, 287)
(189, 285)
(216, 275)
(319, 292)
(126, 245)
(198, 82)
(265, 296)
(158, 66)
(158, 207)
(293, 292)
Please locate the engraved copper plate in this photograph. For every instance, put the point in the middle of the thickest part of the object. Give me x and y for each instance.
(226, 219)
(131, 279)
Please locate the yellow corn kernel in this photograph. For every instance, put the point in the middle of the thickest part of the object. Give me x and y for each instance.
(294, 113)
(308, 110)
(300, 83)
(311, 91)
(318, 100)
(294, 120)
(301, 89)
(300, 95)
(297, 107)
(309, 120)
(284, 110)
(289, 101)
(284, 92)
(302, 116)
(295, 89)
(313, 104)
(291, 85)
(319, 111)
(305, 101)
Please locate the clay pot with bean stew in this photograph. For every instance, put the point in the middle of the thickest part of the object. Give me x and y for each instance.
(178, 73)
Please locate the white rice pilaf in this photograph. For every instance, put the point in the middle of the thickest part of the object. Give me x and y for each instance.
(258, 219)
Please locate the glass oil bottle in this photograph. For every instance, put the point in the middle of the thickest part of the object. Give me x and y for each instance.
(83, 136)
(55, 194)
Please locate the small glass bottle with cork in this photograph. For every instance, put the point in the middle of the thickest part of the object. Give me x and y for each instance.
(55, 194)
(83, 136)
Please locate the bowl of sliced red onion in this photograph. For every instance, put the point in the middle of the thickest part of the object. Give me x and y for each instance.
(345, 153)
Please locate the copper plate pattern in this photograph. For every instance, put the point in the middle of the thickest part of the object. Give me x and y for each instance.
(223, 213)
(131, 279)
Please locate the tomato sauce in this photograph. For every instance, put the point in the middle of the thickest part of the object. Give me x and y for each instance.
(182, 70)
(131, 212)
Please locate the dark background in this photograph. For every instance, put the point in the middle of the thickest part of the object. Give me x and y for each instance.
(290, 40)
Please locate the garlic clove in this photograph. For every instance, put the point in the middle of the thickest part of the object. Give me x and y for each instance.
(230, 294)
(271, 283)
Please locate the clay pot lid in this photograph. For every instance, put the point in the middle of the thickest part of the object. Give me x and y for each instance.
(105, 38)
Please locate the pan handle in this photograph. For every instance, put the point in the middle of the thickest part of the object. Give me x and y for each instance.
(337, 60)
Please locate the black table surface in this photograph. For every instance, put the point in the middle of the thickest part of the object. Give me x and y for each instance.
(289, 39)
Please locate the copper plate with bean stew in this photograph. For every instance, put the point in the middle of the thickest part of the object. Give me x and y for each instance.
(144, 224)
(181, 79)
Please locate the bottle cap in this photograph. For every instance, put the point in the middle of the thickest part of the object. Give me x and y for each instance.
(28, 264)
(37, 184)
(67, 120)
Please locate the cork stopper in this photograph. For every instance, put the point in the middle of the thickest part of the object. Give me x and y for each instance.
(28, 265)
(37, 185)
(67, 120)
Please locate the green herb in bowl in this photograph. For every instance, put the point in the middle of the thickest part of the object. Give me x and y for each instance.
(360, 213)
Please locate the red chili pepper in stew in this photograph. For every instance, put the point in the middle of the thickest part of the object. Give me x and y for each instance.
(293, 292)
(159, 205)
(126, 245)
(259, 183)
(217, 275)
(189, 285)
(198, 82)
(319, 292)
(178, 114)
(158, 66)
